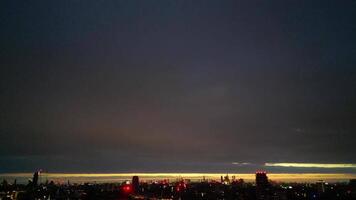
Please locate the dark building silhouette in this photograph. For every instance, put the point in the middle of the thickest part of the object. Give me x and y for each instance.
(262, 185)
(180, 189)
(135, 184)
(352, 188)
(261, 179)
(320, 186)
(35, 179)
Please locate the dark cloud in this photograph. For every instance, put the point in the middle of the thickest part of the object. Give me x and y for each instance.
(180, 85)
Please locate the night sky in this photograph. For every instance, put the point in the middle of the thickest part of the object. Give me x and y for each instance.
(177, 86)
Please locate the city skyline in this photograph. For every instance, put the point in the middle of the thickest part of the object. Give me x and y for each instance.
(82, 178)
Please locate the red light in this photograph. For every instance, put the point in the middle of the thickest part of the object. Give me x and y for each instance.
(180, 187)
(127, 188)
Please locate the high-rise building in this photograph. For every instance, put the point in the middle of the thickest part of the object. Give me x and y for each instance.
(262, 185)
(225, 180)
(320, 186)
(261, 179)
(135, 184)
(352, 188)
(35, 179)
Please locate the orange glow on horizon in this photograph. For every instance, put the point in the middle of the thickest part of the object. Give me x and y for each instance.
(288, 177)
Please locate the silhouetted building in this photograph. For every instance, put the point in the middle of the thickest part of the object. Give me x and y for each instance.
(352, 185)
(206, 190)
(320, 186)
(135, 184)
(261, 179)
(35, 179)
(226, 180)
(262, 185)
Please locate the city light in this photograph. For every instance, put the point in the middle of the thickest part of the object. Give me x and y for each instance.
(127, 188)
